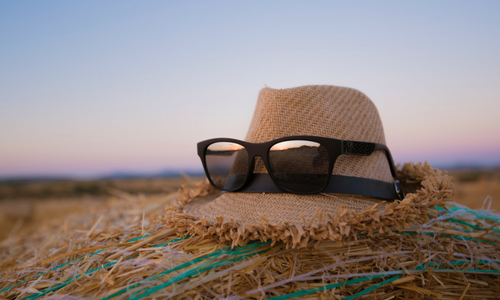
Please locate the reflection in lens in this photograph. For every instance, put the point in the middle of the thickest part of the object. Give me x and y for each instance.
(299, 166)
(227, 165)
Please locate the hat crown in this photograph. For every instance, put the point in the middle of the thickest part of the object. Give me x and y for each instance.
(326, 111)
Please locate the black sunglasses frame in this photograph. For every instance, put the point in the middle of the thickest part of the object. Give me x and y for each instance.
(334, 147)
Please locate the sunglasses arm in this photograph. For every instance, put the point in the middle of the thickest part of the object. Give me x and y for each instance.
(389, 157)
(366, 149)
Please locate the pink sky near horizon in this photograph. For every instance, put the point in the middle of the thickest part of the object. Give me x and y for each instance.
(445, 149)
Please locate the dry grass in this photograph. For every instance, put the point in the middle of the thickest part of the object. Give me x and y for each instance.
(25, 205)
(473, 193)
(43, 189)
(19, 215)
(474, 186)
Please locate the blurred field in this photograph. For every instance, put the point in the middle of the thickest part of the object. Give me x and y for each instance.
(474, 186)
(24, 204)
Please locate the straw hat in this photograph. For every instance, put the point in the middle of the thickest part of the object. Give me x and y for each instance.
(326, 111)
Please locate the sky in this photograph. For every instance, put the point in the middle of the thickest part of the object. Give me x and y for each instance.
(94, 87)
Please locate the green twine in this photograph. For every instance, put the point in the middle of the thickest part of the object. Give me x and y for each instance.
(205, 267)
(448, 235)
(90, 271)
(326, 287)
(188, 274)
(373, 287)
(140, 237)
(66, 263)
(479, 214)
(472, 225)
(68, 281)
(53, 269)
(242, 250)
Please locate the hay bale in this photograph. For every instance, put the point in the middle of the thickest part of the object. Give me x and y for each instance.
(126, 251)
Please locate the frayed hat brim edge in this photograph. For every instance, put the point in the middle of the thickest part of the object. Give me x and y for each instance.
(436, 190)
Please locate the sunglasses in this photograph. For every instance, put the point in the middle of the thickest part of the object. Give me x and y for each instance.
(296, 164)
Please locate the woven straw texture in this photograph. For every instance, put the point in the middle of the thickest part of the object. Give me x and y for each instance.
(327, 111)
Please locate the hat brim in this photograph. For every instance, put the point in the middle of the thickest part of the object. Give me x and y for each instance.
(298, 220)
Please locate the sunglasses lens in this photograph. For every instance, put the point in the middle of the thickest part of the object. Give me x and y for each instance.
(299, 166)
(227, 165)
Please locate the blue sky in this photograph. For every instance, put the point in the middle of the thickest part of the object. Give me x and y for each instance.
(93, 87)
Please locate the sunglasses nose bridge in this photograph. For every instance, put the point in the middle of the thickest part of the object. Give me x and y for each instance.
(258, 165)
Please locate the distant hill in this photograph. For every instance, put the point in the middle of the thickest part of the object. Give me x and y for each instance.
(161, 174)
(105, 176)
